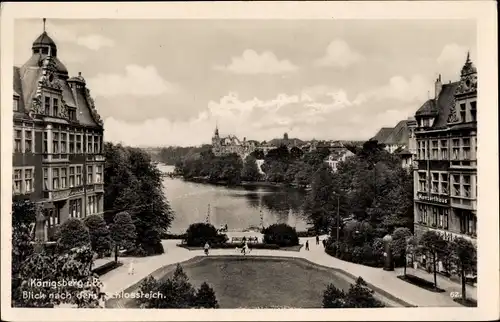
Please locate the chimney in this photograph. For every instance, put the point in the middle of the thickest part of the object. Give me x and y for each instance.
(79, 73)
(437, 87)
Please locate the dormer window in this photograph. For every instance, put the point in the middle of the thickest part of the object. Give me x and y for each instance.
(16, 105)
(55, 107)
(462, 112)
(45, 50)
(473, 111)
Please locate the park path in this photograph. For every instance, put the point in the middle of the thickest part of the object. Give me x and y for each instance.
(119, 279)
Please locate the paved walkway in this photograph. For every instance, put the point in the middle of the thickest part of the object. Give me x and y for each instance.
(119, 279)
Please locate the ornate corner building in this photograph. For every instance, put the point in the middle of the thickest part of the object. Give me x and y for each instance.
(445, 177)
(58, 140)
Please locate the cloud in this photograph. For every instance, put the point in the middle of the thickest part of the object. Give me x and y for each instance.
(399, 88)
(339, 54)
(252, 62)
(91, 41)
(136, 81)
(451, 60)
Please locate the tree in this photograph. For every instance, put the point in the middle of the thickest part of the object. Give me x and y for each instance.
(73, 233)
(465, 257)
(433, 243)
(205, 297)
(358, 296)
(100, 239)
(198, 234)
(148, 285)
(23, 215)
(177, 292)
(321, 202)
(296, 153)
(281, 234)
(134, 183)
(334, 297)
(250, 170)
(400, 238)
(258, 154)
(60, 278)
(123, 232)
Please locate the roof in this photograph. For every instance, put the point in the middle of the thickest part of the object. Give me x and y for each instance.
(405, 151)
(44, 40)
(399, 135)
(428, 109)
(445, 102)
(26, 83)
(36, 59)
(382, 134)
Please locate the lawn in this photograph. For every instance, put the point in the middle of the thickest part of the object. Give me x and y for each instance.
(253, 282)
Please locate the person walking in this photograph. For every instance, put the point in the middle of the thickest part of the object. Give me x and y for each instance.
(307, 245)
(131, 269)
(317, 240)
(207, 247)
(324, 243)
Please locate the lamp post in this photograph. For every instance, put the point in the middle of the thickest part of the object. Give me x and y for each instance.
(388, 262)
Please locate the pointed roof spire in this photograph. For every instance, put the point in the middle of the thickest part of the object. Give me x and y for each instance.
(468, 56)
(44, 20)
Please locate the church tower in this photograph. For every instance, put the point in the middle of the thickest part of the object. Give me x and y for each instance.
(216, 144)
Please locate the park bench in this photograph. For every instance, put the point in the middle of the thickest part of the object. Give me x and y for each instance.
(250, 240)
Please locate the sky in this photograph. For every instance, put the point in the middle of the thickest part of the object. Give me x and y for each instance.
(170, 82)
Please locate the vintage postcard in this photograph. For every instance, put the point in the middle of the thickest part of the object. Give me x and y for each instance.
(249, 161)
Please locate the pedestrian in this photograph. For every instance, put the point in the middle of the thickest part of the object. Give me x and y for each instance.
(317, 240)
(207, 247)
(131, 269)
(324, 243)
(307, 245)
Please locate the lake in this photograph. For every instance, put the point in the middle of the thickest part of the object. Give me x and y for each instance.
(238, 207)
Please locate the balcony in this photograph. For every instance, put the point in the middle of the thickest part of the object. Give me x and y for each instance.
(463, 203)
(58, 195)
(99, 187)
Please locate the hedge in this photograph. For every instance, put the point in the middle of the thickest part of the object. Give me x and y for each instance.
(366, 255)
(240, 245)
(281, 234)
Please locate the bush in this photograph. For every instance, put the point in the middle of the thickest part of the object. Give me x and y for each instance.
(100, 239)
(200, 233)
(281, 234)
(205, 297)
(73, 233)
(358, 296)
(367, 254)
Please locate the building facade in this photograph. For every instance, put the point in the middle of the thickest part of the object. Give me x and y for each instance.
(58, 139)
(231, 144)
(445, 176)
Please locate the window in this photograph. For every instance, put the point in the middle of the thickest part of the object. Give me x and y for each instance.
(28, 141)
(445, 218)
(98, 174)
(45, 143)
(55, 179)
(55, 107)
(78, 175)
(46, 179)
(434, 149)
(89, 175)
(92, 205)
(89, 143)
(28, 180)
(466, 148)
(72, 114)
(64, 178)
(444, 183)
(422, 150)
(466, 186)
(75, 208)
(17, 178)
(54, 217)
(434, 216)
(468, 222)
(16, 105)
(422, 181)
(462, 112)
(435, 183)
(444, 150)
(78, 143)
(18, 136)
(455, 149)
(473, 111)
(55, 142)
(71, 177)
(456, 185)
(71, 143)
(96, 144)
(46, 105)
(424, 215)
(63, 141)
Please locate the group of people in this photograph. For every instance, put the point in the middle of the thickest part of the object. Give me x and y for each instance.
(317, 242)
(244, 250)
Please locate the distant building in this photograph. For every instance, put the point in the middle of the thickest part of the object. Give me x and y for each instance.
(58, 140)
(445, 178)
(334, 158)
(231, 144)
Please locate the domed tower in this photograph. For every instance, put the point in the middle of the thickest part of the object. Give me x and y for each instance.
(43, 49)
(216, 144)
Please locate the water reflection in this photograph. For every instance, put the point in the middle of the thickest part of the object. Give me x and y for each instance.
(238, 207)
